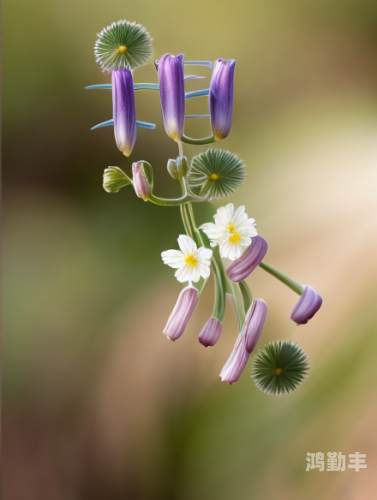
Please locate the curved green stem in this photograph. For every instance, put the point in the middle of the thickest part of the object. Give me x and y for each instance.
(174, 202)
(246, 295)
(289, 282)
(198, 142)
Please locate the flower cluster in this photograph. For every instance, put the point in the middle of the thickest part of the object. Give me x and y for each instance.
(229, 248)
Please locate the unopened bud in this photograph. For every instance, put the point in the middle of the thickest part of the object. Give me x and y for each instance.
(178, 168)
(114, 179)
(142, 174)
(307, 305)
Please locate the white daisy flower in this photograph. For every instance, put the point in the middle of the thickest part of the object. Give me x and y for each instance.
(232, 231)
(192, 263)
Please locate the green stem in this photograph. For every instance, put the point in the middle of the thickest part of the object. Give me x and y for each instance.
(220, 297)
(292, 284)
(246, 295)
(186, 221)
(238, 304)
(174, 202)
(198, 142)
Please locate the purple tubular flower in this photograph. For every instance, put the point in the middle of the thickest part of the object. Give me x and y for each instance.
(245, 265)
(211, 332)
(182, 312)
(172, 93)
(141, 184)
(124, 113)
(254, 321)
(246, 342)
(307, 305)
(221, 97)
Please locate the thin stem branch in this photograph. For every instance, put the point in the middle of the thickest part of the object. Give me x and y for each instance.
(289, 282)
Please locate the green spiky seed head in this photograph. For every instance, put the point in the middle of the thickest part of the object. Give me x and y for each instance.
(216, 173)
(279, 367)
(123, 45)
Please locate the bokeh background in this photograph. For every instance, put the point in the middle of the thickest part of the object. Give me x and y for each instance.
(97, 403)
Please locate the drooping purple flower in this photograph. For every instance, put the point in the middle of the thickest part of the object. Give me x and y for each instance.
(245, 265)
(221, 97)
(142, 186)
(246, 342)
(254, 322)
(307, 305)
(124, 113)
(182, 312)
(211, 332)
(172, 93)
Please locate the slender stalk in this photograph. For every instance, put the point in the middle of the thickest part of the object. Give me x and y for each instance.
(220, 299)
(174, 202)
(292, 284)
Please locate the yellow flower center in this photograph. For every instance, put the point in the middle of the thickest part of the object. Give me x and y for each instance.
(191, 261)
(278, 371)
(214, 177)
(235, 238)
(122, 49)
(231, 228)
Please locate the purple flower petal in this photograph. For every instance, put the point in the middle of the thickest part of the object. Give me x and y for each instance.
(182, 312)
(236, 363)
(172, 93)
(221, 97)
(124, 113)
(307, 305)
(246, 342)
(245, 265)
(211, 332)
(254, 322)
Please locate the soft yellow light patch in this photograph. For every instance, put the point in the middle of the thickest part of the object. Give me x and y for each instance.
(122, 49)
(235, 238)
(191, 261)
(214, 177)
(231, 228)
(278, 371)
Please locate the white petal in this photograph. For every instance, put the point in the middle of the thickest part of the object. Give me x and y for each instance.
(239, 216)
(224, 215)
(231, 251)
(194, 273)
(183, 274)
(172, 258)
(248, 226)
(214, 233)
(187, 244)
(204, 270)
(204, 255)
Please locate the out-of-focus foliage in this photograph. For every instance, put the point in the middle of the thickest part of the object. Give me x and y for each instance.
(97, 404)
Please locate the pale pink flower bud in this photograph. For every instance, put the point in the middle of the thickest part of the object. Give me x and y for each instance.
(141, 170)
(211, 332)
(245, 265)
(182, 312)
(307, 305)
(246, 342)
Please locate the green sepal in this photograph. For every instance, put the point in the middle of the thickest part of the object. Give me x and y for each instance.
(173, 169)
(115, 179)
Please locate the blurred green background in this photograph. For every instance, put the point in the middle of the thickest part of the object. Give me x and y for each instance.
(97, 404)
